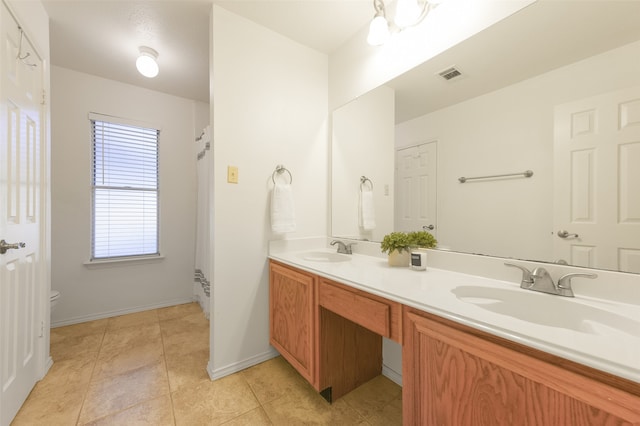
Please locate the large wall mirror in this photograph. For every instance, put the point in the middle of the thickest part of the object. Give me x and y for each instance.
(554, 89)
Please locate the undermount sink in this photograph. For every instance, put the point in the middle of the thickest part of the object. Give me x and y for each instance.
(325, 256)
(549, 310)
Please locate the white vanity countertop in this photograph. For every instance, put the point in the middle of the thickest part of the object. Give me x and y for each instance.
(616, 351)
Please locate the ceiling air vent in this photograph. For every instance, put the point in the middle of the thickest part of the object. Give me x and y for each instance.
(450, 73)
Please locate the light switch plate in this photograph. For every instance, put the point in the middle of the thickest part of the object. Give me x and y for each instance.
(232, 174)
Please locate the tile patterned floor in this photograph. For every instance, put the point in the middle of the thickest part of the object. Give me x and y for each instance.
(149, 368)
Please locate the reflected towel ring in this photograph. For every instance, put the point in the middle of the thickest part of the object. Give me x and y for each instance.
(279, 170)
(363, 180)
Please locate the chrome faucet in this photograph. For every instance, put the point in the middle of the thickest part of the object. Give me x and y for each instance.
(342, 247)
(540, 280)
(527, 280)
(564, 283)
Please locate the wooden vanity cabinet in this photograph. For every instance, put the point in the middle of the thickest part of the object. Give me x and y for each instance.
(375, 313)
(292, 318)
(453, 375)
(329, 332)
(352, 323)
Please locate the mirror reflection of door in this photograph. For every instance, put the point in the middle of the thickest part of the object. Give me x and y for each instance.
(596, 155)
(416, 173)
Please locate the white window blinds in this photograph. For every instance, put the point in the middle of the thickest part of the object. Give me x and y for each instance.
(125, 190)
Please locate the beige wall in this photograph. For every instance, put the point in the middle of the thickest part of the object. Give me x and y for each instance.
(89, 291)
(361, 144)
(269, 107)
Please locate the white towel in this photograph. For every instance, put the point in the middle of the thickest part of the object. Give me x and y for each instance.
(283, 215)
(367, 210)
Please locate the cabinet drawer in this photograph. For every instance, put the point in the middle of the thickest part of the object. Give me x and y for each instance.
(375, 313)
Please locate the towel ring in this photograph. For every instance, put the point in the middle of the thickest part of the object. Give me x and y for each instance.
(279, 170)
(363, 180)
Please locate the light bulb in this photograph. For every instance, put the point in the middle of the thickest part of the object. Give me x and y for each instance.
(146, 62)
(378, 31)
(407, 13)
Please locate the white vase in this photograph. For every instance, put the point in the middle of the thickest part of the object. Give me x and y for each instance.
(397, 258)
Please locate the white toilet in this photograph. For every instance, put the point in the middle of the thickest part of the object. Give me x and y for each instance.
(55, 297)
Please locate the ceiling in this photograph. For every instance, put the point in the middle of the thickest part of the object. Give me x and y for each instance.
(102, 37)
(541, 37)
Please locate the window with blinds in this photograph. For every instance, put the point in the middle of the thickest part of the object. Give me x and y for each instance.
(124, 190)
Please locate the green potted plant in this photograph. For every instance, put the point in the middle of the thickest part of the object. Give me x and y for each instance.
(422, 239)
(398, 246)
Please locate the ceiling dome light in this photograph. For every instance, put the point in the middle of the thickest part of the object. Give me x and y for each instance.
(146, 62)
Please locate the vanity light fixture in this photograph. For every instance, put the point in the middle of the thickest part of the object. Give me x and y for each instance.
(147, 62)
(408, 14)
(379, 27)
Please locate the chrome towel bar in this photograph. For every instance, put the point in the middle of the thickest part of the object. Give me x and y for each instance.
(526, 173)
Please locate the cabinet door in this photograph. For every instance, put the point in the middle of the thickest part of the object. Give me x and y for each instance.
(451, 377)
(292, 318)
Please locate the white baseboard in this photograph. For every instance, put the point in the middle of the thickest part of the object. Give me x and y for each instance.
(219, 373)
(241, 365)
(109, 314)
(392, 375)
(204, 303)
(47, 366)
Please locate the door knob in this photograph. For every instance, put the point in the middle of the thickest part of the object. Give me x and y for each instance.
(4, 246)
(429, 227)
(565, 234)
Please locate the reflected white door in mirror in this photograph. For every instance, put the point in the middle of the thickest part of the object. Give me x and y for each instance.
(416, 175)
(597, 152)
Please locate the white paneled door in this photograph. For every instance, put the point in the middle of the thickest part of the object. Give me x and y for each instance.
(597, 175)
(21, 278)
(415, 205)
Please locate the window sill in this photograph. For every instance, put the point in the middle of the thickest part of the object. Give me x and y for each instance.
(123, 261)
